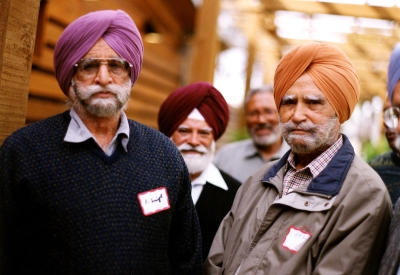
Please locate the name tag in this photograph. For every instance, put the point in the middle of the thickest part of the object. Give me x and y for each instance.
(154, 201)
(295, 239)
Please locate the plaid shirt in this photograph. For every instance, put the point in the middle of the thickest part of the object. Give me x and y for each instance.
(295, 178)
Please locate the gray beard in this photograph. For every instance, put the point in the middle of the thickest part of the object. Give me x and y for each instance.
(101, 107)
(266, 140)
(316, 137)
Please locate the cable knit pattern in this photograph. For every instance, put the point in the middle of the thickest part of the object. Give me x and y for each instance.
(70, 209)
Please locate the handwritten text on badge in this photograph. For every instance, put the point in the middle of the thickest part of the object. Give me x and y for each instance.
(154, 201)
(295, 239)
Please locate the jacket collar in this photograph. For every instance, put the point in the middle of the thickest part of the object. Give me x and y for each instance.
(330, 180)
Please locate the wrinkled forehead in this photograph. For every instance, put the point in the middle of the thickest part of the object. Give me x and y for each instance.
(195, 124)
(101, 49)
(304, 88)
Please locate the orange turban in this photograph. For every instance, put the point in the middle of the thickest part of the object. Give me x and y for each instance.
(329, 68)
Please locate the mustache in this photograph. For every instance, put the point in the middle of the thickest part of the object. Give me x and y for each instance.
(291, 126)
(263, 126)
(187, 147)
(94, 89)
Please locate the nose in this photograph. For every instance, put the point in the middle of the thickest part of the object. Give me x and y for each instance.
(262, 118)
(193, 139)
(103, 76)
(299, 113)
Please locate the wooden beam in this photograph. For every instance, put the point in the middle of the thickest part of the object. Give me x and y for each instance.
(312, 7)
(18, 21)
(205, 42)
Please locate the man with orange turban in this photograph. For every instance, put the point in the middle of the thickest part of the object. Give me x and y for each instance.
(194, 117)
(320, 209)
(90, 191)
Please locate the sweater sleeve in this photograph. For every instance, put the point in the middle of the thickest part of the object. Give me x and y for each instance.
(185, 236)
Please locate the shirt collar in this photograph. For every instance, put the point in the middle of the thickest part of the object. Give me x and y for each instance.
(77, 131)
(252, 151)
(211, 175)
(319, 163)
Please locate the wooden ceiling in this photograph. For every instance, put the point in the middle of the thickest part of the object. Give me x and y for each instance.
(368, 46)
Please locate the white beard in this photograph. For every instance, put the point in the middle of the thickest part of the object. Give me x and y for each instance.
(197, 163)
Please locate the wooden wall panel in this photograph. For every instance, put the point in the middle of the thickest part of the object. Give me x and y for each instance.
(39, 108)
(18, 21)
(160, 73)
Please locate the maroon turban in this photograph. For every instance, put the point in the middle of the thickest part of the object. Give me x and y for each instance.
(115, 27)
(180, 103)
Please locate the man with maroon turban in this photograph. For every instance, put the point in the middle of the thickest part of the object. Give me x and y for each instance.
(89, 191)
(194, 117)
(320, 209)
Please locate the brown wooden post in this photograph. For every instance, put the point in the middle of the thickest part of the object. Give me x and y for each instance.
(18, 20)
(206, 42)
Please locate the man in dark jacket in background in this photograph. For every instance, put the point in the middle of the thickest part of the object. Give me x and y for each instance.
(194, 117)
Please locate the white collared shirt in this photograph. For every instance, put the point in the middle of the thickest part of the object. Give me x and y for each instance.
(211, 175)
(78, 132)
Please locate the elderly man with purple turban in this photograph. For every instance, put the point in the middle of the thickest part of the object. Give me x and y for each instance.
(320, 209)
(194, 117)
(89, 191)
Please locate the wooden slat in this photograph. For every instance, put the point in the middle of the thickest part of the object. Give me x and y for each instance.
(312, 7)
(45, 85)
(157, 80)
(148, 95)
(68, 11)
(160, 57)
(142, 113)
(39, 109)
(45, 60)
(53, 32)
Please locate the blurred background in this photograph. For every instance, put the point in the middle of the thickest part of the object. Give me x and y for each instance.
(235, 45)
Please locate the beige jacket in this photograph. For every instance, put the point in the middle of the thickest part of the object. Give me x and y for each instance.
(336, 225)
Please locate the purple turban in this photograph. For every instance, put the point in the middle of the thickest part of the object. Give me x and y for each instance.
(393, 70)
(115, 27)
(180, 103)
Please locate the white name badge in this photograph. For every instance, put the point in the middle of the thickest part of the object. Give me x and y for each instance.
(295, 239)
(154, 201)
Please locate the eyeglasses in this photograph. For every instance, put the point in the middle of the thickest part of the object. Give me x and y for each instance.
(89, 67)
(391, 117)
(265, 113)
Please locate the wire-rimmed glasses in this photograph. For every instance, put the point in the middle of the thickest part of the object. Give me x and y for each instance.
(391, 117)
(89, 67)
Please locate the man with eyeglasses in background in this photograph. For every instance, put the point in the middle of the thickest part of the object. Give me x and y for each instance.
(242, 158)
(388, 166)
(89, 191)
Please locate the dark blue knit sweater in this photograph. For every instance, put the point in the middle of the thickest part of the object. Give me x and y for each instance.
(70, 209)
(387, 165)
